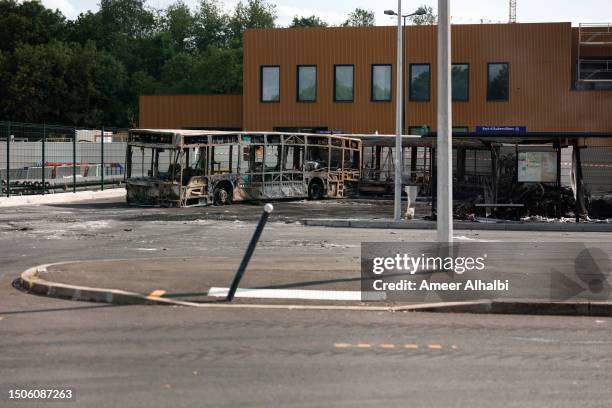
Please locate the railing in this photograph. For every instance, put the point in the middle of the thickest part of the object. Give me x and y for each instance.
(595, 70)
(595, 34)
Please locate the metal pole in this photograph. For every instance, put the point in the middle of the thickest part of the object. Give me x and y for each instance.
(8, 160)
(397, 209)
(102, 158)
(74, 160)
(444, 185)
(403, 77)
(43, 159)
(268, 208)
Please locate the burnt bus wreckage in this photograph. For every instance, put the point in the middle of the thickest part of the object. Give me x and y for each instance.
(182, 168)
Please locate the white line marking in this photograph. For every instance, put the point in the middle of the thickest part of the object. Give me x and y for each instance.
(299, 294)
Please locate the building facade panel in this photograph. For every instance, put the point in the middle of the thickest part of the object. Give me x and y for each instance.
(190, 111)
(360, 47)
(540, 57)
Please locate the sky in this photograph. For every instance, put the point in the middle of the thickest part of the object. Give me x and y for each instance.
(462, 11)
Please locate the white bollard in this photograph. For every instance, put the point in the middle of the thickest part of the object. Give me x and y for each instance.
(411, 195)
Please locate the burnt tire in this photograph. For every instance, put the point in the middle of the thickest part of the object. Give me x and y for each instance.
(315, 190)
(222, 197)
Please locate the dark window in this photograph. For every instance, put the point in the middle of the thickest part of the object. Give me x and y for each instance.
(419, 82)
(270, 84)
(344, 83)
(418, 130)
(498, 82)
(460, 129)
(306, 83)
(461, 82)
(381, 83)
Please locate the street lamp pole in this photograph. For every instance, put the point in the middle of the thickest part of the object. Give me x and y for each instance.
(444, 127)
(404, 91)
(397, 209)
(399, 112)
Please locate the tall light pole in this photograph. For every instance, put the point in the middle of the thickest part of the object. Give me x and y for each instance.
(397, 208)
(444, 127)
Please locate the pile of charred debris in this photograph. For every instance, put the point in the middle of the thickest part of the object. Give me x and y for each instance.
(538, 201)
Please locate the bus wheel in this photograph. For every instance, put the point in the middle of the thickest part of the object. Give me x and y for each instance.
(315, 190)
(222, 197)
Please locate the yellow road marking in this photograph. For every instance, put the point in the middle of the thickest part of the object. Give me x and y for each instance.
(342, 345)
(157, 293)
(410, 346)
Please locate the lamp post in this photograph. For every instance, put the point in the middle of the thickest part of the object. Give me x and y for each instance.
(397, 208)
(444, 128)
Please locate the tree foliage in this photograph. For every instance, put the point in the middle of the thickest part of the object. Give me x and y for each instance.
(312, 21)
(427, 18)
(91, 70)
(28, 23)
(360, 18)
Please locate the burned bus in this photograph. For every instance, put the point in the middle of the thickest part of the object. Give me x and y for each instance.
(182, 168)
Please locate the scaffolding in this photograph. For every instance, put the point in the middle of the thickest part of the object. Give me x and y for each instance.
(594, 38)
(512, 17)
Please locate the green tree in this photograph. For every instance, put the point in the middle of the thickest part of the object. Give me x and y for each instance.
(38, 90)
(5, 80)
(129, 19)
(28, 22)
(65, 83)
(312, 21)
(210, 25)
(177, 74)
(219, 70)
(91, 70)
(253, 14)
(427, 18)
(139, 83)
(95, 82)
(179, 23)
(360, 18)
(214, 70)
(128, 30)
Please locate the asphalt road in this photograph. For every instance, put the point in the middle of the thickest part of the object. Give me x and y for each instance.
(150, 356)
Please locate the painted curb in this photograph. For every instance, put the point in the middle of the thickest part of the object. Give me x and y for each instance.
(31, 282)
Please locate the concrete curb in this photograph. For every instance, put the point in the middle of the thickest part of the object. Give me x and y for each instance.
(522, 307)
(60, 198)
(458, 225)
(31, 282)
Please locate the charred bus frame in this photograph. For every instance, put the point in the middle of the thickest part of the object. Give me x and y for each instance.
(206, 167)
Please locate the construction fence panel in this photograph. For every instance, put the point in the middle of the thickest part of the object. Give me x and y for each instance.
(44, 159)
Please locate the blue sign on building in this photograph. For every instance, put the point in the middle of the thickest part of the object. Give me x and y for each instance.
(502, 130)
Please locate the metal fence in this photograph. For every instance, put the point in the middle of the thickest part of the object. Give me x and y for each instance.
(43, 159)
